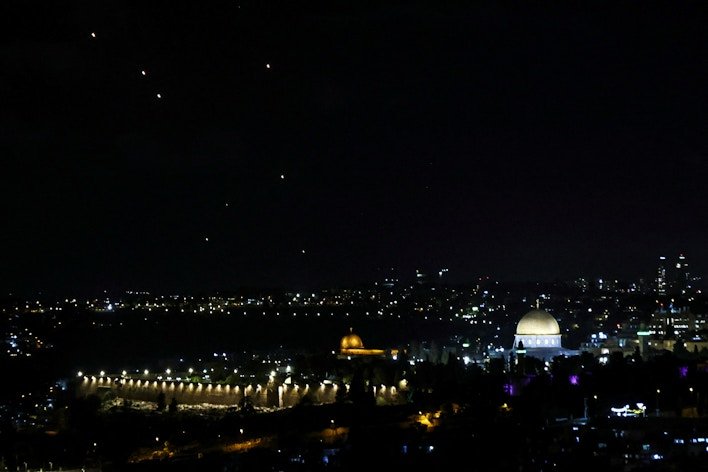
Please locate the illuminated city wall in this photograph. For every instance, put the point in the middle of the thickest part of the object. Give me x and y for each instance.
(190, 393)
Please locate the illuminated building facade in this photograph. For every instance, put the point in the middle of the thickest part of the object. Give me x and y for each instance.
(538, 335)
(352, 346)
(673, 321)
(661, 284)
(683, 276)
(537, 329)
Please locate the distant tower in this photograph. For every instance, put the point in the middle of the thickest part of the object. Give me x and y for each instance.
(661, 276)
(683, 277)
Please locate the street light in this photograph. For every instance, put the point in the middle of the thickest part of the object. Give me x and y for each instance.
(658, 391)
(690, 390)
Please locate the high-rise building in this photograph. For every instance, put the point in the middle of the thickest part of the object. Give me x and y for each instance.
(683, 276)
(661, 276)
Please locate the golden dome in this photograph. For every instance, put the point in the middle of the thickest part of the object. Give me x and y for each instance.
(538, 322)
(351, 341)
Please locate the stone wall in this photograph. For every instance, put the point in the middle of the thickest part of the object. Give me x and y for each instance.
(270, 395)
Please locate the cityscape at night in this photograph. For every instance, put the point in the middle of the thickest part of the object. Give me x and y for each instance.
(606, 371)
(336, 236)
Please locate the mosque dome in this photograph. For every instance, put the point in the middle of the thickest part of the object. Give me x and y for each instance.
(537, 322)
(351, 341)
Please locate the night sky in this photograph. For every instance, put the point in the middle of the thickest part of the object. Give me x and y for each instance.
(315, 144)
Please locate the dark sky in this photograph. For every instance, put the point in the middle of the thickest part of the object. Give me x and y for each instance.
(525, 140)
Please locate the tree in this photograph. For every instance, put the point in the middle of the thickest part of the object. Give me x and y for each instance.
(161, 401)
(434, 353)
(306, 400)
(680, 350)
(246, 405)
(637, 355)
(340, 395)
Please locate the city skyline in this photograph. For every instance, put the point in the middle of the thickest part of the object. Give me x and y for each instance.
(174, 147)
